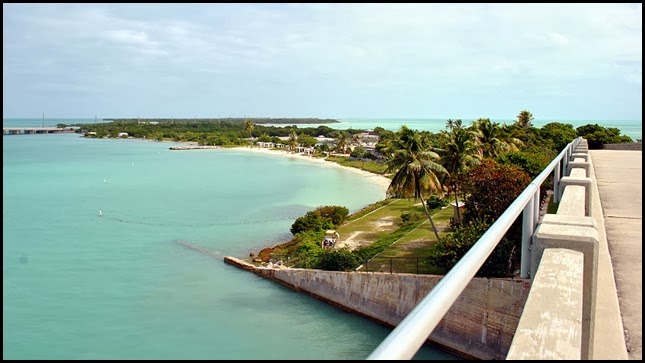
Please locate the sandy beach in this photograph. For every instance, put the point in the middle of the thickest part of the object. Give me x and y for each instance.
(377, 179)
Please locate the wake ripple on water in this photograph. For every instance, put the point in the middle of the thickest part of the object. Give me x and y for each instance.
(134, 220)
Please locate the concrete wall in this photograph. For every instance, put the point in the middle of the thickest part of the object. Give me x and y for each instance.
(625, 146)
(480, 324)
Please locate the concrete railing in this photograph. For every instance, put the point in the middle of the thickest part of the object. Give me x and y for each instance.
(549, 327)
(558, 318)
(636, 146)
(406, 339)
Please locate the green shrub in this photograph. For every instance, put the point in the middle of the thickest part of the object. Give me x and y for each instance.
(532, 163)
(437, 202)
(490, 188)
(341, 259)
(319, 219)
(412, 217)
(305, 255)
(502, 262)
(597, 136)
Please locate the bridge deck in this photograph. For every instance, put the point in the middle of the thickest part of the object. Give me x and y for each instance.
(35, 130)
(618, 177)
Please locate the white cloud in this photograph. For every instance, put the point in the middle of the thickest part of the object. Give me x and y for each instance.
(287, 48)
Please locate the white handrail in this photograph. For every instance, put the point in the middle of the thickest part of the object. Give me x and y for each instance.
(406, 339)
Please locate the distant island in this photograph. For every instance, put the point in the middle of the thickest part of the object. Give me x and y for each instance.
(261, 120)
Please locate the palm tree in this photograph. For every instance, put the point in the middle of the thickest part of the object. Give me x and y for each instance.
(341, 142)
(489, 138)
(454, 124)
(293, 140)
(524, 119)
(416, 169)
(249, 126)
(458, 152)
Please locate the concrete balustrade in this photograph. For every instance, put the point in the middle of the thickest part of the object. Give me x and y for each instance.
(568, 206)
(550, 326)
(581, 149)
(577, 237)
(580, 163)
(578, 178)
(583, 156)
(559, 316)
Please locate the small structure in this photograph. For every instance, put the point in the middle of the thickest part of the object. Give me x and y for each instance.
(330, 240)
(458, 213)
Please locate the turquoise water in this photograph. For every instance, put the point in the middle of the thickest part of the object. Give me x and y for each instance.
(80, 286)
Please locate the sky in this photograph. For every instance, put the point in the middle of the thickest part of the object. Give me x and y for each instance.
(561, 61)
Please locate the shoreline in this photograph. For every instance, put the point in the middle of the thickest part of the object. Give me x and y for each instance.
(377, 179)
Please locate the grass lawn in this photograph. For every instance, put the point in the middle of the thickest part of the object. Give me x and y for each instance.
(371, 166)
(370, 227)
(381, 226)
(409, 253)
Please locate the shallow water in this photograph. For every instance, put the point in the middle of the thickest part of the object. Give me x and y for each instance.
(77, 285)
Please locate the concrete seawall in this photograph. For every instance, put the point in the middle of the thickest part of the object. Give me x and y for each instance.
(480, 324)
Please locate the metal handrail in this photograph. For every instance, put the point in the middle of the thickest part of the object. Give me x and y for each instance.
(406, 339)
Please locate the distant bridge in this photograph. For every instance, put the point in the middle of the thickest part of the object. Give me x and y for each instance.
(36, 130)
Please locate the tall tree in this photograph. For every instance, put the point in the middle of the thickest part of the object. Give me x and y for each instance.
(249, 126)
(489, 138)
(458, 152)
(342, 140)
(293, 140)
(416, 169)
(524, 119)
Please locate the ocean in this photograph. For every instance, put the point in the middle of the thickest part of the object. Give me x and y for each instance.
(78, 285)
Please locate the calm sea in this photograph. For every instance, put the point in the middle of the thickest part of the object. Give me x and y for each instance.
(79, 286)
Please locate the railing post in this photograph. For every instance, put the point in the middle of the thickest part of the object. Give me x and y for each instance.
(527, 236)
(536, 205)
(556, 182)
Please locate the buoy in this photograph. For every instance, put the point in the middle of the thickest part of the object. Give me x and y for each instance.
(100, 213)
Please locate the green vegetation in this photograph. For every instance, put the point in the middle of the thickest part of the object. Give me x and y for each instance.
(220, 132)
(320, 219)
(371, 166)
(465, 162)
(257, 120)
(597, 136)
(484, 165)
(416, 168)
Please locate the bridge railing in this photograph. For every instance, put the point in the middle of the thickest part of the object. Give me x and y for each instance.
(564, 267)
(406, 339)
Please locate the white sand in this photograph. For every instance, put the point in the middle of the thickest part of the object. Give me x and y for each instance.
(354, 241)
(377, 179)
